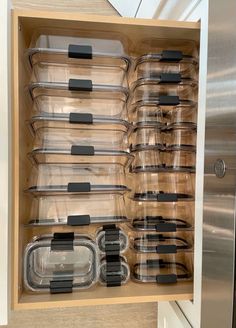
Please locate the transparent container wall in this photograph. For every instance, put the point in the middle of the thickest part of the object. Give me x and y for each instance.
(104, 102)
(56, 58)
(109, 244)
(162, 187)
(118, 272)
(154, 160)
(146, 138)
(76, 179)
(180, 139)
(161, 243)
(77, 210)
(44, 264)
(161, 217)
(146, 113)
(162, 268)
(182, 115)
(81, 145)
(151, 89)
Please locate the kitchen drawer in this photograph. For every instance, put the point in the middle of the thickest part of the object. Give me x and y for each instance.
(24, 25)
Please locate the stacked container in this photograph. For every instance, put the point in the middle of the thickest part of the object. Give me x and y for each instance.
(79, 158)
(163, 110)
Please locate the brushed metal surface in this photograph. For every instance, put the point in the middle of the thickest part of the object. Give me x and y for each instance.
(219, 192)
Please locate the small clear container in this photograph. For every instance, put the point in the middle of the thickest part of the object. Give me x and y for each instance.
(152, 89)
(112, 240)
(154, 160)
(181, 139)
(55, 58)
(182, 116)
(60, 263)
(166, 243)
(146, 137)
(102, 101)
(162, 187)
(162, 268)
(81, 145)
(161, 217)
(114, 272)
(76, 180)
(82, 210)
(146, 113)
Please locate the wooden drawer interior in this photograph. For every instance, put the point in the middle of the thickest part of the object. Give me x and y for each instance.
(24, 25)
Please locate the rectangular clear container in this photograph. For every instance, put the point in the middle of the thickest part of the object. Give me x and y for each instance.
(166, 56)
(146, 137)
(74, 210)
(154, 160)
(162, 187)
(60, 263)
(81, 145)
(63, 55)
(180, 138)
(115, 273)
(162, 268)
(161, 243)
(69, 180)
(152, 89)
(161, 217)
(112, 240)
(102, 101)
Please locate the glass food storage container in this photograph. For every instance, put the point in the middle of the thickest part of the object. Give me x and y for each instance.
(162, 187)
(74, 210)
(112, 240)
(161, 243)
(114, 271)
(161, 217)
(162, 268)
(100, 101)
(69, 180)
(81, 145)
(60, 263)
(55, 57)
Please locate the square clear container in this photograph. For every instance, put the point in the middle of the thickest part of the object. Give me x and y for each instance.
(81, 145)
(152, 89)
(57, 264)
(102, 101)
(162, 187)
(112, 240)
(72, 54)
(146, 137)
(74, 210)
(48, 179)
(154, 160)
(166, 56)
(180, 138)
(115, 273)
(162, 268)
(161, 217)
(183, 115)
(162, 243)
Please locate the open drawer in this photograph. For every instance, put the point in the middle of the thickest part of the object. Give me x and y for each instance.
(25, 23)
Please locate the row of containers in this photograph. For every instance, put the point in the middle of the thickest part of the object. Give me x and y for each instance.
(113, 159)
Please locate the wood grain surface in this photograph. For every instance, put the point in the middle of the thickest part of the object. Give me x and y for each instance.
(115, 316)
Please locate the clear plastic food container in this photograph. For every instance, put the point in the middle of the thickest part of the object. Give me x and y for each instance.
(183, 115)
(161, 217)
(114, 271)
(102, 101)
(76, 180)
(154, 160)
(60, 263)
(146, 137)
(147, 113)
(59, 57)
(152, 89)
(162, 268)
(181, 139)
(81, 145)
(166, 243)
(112, 240)
(74, 210)
(162, 187)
